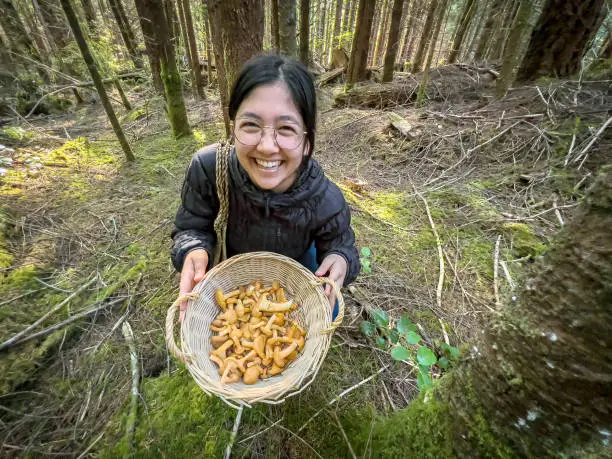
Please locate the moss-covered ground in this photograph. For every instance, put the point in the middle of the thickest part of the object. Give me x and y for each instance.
(74, 211)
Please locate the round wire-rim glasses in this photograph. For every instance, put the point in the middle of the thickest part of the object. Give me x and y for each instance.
(251, 139)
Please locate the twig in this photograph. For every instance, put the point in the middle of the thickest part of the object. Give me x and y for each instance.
(441, 261)
(52, 286)
(557, 212)
(56, 308)
(90, 446)
(507, 274)
(495, 272)
(590, 144)
(569, 152)
(342, 394)
(348, 443)
(478, 147)
(260, 432)
(128, 334)
(62, 324)
(228, 450)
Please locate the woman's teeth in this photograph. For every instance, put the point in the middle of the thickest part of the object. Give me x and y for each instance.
(267, 164)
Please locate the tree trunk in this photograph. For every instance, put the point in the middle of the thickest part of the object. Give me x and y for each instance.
(425, 37)
(321, 31)
(54, 22)
(148, 33)
(416, 32)
(90, 13)
(504, 24)
(352, 24)
(392, 46)
(345, 17)
(485, 36)
(375, 25)
(382, 32)
(361, 41)
(430, 53)
(466, 18)
(405, 28)
(476, 29)
(209, 61)
(15, 30)
(172, 23)
(237, 33)
(512, 53)
(274, 12)
(304, 31)
(337, 24)
(537, 384)
(558, 41)
(126, 31)
(287, 26)
(154, 12)
(95, 76)
(193, 50)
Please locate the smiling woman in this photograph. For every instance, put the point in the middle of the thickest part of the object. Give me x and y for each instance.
(279, 197)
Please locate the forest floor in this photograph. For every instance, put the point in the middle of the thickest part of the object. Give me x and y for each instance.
(83, 228)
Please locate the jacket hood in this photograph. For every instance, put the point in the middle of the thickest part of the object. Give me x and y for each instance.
(309, 185)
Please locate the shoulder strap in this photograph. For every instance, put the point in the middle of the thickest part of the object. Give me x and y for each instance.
(221, 173)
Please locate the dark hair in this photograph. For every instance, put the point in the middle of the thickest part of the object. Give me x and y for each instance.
(267, 69)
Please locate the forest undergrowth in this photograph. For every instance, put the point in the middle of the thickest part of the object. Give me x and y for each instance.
(479, 186)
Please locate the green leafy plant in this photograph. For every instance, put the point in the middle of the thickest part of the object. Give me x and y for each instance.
(366, 263)
(405, 344)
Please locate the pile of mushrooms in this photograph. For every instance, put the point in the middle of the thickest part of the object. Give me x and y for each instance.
(254, 339)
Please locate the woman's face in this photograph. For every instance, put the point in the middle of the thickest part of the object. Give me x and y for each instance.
(271, 164)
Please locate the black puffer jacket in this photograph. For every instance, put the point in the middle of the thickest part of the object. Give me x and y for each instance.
(312, 210)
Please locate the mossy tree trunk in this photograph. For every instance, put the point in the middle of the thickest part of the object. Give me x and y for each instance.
(287, 28)
(95, 76)
(559, 39)
(393, 40)
(275, 25)
(337, 27)
(320, 41)
(345, 16)
(148, 32)
(466, 18)
(425, 37)
(125, 29)
(237, 34)
(485, 36)
(305, 31)
(194, 55)
(537, 383)
(353, 15)
(513, 49)
(361, 43)
(154, 12)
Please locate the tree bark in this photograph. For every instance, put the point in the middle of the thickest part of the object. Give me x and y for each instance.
(320, 40)
(405, 31)
(54, 22)
(425, 37)
(154, 12)
(274, 13)
(485, 36)
(361, 41)
(287, 26)
(193, 50)
(375, 25)
(304, 31)
(430, 52)
(393, 44)
(150, 40)
(15, 31)
(504, 24)
(353, 15)
(337, 25)
(209, 59)
(95, 76)
(345, 17)
(476, 29)
(511, 56)
(126, 31)
(537, 383)
(381, 36)
(237, 33)
(466, 18)
(558, 41)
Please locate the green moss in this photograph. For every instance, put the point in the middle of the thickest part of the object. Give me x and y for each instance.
(15, 134)
(180, 421)
(210, 133)
(524, 242)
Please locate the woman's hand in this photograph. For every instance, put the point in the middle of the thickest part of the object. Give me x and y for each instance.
(333, 266)
(193, 272)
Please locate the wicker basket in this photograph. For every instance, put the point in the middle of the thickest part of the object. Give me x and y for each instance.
(314, 315)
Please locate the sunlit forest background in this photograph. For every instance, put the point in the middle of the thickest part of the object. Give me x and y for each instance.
(472, 142)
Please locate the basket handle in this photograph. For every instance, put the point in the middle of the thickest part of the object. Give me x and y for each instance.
(340, 317)
(172, 346)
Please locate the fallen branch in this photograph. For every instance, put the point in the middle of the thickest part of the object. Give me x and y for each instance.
(9, 342)
(441, 261)
(130, 427)
(590, 144)
(62, 324)
(495, 272)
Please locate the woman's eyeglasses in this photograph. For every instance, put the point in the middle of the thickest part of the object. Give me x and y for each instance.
(288, 136)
